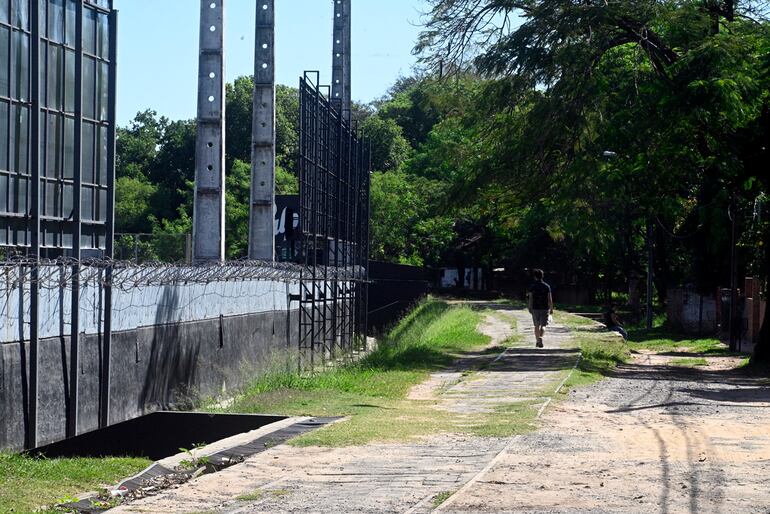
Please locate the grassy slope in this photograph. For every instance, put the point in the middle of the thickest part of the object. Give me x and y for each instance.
(601, 350)
(373, 392)
(27, 483)
(661, 340)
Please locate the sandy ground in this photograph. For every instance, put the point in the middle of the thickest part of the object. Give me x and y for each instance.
(653, 438)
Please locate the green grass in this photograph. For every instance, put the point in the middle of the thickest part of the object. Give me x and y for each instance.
(441, 498)
(372, 392)
(568, 307)
(689, 362)
(662, 341)
(28, 483)
(506, 420)
(601, 350)
(250, 497)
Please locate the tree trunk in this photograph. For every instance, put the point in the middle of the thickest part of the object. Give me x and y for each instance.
(661, 273)
(762, 349)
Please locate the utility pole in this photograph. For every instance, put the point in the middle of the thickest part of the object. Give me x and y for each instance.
(341, 58)
(261, 231)
(649, 273)
(209, 201)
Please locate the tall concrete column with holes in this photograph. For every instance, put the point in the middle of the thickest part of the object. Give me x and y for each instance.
(209, 202)
(341, 61)
(261, 236)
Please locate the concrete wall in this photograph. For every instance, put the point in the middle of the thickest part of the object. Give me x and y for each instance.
(754, 308)
(172, 345)
(135, 303)
(160, 367)
(692, 313)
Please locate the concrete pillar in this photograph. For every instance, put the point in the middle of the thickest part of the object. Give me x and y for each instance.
(261, 232)
(347, 39)
(209, 203)
(341, 61)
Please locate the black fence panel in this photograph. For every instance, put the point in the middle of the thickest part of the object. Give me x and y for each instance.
(393, 288)
(334, 168)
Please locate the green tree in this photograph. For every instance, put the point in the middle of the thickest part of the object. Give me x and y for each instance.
(137, 145)
(237, 193)
(389, 147)
(134, 204)
(286, 183)
(403, 227)
(673, 92)
(239, 116)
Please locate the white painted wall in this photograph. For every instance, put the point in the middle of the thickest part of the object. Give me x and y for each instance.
(136, 306)
(449, 277)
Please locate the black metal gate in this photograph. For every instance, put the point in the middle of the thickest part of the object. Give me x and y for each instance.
(334, 171)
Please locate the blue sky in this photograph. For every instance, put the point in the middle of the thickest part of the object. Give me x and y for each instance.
(158, 48)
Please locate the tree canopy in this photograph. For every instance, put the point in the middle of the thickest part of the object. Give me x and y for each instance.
(606, 118)
(542, 133)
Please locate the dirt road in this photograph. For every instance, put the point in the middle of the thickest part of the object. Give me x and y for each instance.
(653, 438)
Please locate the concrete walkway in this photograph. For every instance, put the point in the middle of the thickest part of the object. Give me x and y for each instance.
(384, 477)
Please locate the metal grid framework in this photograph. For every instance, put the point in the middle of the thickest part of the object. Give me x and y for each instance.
(334, 215)
(57, 93)
(57, 151)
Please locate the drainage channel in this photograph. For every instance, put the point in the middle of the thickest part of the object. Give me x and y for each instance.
(231, 438)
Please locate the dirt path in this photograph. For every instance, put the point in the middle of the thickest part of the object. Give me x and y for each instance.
(654, 438)
(651, 439)
(385, 477)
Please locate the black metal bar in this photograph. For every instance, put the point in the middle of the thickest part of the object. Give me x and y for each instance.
(34, 162)
(74, 402)
(302, 192)
(109, 243)
(734, 321)
(11, 127)
(367, 237)
(334, 210)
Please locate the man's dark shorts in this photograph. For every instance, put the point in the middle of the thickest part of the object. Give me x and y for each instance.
(540, 317)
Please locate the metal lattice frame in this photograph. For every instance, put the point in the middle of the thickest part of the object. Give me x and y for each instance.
(57, 151)
(334, 213)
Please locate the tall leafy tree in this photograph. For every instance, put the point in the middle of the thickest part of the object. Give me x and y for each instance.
(659, 103)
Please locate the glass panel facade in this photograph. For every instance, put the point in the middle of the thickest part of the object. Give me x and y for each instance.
(4, 121)
(20, 139)
(5, 58)
(20, 65)
(56, 21)
(102, 36)
(20, 14)
(89, 32)
(89, 136)
(69, 23)
(89, 90)
(59, 127)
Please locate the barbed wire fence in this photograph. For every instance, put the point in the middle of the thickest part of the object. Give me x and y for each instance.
(108, 293)
(58, 273)
(67, 299)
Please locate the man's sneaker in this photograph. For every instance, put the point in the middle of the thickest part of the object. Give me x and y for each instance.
(539, 343)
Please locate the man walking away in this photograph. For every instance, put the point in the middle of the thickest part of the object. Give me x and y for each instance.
(540, 303)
